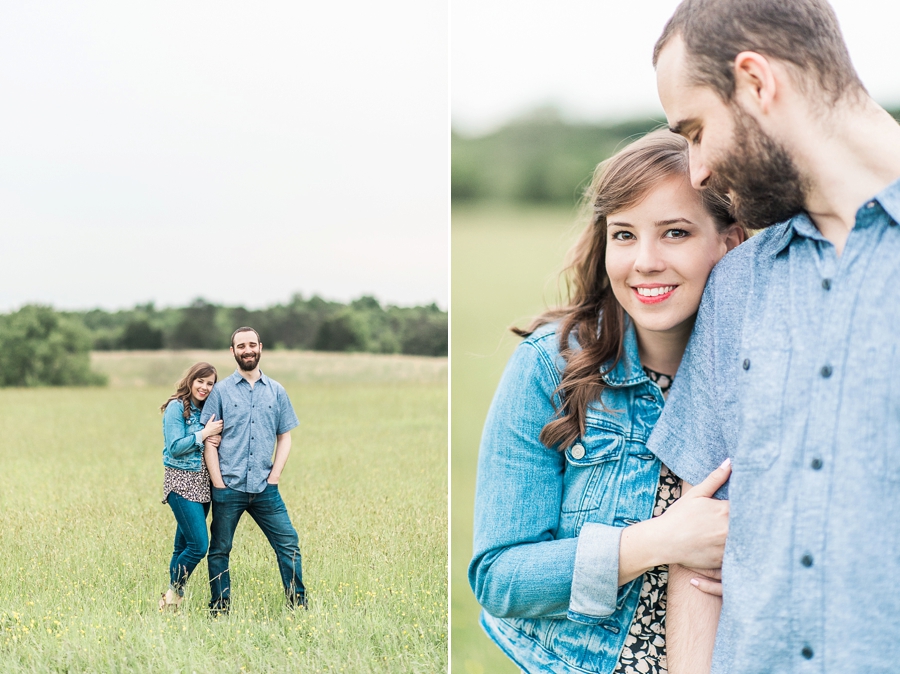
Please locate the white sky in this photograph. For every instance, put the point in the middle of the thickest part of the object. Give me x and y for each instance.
(592, 57)
(241, 152)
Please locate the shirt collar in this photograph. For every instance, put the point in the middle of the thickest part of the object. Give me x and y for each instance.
(628, 370)
(802, 225)
(238, 377)
(889, 198)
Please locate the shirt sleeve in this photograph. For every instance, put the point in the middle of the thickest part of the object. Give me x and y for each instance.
(287, 418)
(698, 426)
(519, 568)
(213, 405)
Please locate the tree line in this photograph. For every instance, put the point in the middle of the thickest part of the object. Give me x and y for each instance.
(43, 346)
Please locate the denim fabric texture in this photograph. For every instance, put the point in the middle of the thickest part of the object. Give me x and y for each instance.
(547, 523)
(183, 438)
(253, 418)
(191, 539)
(792, 371)
(268, 510)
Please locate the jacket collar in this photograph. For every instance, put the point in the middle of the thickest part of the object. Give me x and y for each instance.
(628, 370)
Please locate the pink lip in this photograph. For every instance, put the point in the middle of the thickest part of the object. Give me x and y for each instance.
(652, 300)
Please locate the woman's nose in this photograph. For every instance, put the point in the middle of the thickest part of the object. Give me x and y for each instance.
(649, 259)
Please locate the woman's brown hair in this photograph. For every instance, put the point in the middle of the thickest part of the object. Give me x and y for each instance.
(592, 313)
(183, 387)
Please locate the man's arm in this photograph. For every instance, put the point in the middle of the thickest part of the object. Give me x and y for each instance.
(692, 617)
(282, 450)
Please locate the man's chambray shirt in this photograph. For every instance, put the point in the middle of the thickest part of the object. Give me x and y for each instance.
(793, 371)
(253, 418)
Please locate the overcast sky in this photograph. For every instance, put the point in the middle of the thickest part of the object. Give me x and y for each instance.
(242, 152)
(592, 58)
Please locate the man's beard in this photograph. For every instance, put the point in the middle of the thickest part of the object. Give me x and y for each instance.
(759, 176)
(249, 364)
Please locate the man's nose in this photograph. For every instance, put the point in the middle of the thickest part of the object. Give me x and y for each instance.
(699, 173)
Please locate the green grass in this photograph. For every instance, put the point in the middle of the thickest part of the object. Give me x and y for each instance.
(505, 266)
(85, 541)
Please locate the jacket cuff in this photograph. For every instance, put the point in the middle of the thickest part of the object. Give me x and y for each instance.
(595, 581)
(199, 438)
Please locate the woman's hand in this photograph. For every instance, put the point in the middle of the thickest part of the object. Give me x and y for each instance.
(213, 440)
(212, 427)
(696, 525)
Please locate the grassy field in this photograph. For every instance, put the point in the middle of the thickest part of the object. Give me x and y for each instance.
(85, 541)
(505, 265)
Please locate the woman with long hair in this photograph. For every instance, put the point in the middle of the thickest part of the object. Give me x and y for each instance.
(186, 482)
(576, 521)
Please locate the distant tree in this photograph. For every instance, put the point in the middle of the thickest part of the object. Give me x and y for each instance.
(197, 328)
(424, 331)
(345, 331)
(43, 348)
(139, 335)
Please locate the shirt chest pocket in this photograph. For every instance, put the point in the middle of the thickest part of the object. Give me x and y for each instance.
(762, 383)
(592, 471)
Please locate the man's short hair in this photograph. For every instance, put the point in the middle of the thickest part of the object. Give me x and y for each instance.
(246, 328)
(802, 33)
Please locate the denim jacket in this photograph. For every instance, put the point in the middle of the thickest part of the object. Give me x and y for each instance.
(183, 437)
(547, 523)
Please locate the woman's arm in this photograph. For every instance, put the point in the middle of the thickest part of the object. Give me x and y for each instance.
(175, 431)
(691, 532)
(520, 567)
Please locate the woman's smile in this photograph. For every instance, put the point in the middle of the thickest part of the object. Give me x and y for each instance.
(653, 293)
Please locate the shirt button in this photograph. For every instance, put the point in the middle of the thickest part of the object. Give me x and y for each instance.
(807, 652)
(746, 364)
(826, 283)
(816, 464)
(826, 371)
(806, 560)
(578, 451)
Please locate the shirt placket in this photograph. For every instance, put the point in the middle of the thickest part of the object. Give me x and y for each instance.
(828, 290)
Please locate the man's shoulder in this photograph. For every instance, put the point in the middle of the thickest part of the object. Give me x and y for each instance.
(276, 386)
(755, 251)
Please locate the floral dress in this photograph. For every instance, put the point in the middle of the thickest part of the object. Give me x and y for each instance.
(644, 651)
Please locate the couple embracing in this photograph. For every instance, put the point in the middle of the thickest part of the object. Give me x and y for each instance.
(759, 369)
(219, 439)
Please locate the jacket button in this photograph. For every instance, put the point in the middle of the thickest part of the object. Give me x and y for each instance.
(578, 451)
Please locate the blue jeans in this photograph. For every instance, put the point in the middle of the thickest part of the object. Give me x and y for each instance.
(268, 510)
(191, 539)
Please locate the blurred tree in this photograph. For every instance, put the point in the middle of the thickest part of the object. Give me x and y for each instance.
(345, 331)
(44, 348)
(139, 335)
(198, 328)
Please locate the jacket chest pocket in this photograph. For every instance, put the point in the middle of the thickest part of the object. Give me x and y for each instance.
(592, 469)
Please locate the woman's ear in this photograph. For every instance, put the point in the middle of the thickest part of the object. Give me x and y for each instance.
(735, 236)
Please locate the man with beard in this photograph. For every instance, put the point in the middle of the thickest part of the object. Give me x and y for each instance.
(258, 416)
(792, 367)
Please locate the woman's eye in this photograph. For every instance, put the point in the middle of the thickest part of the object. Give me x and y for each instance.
(622, 236)
(676, 233)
